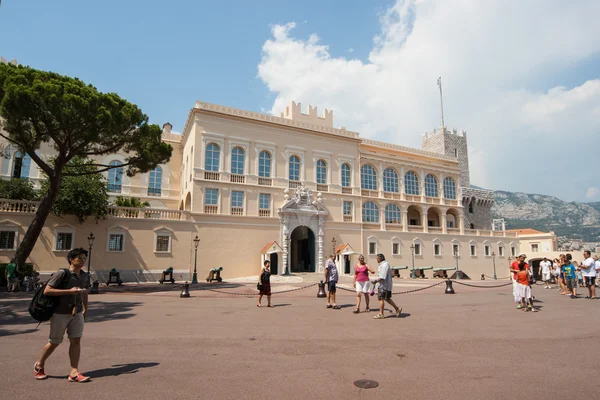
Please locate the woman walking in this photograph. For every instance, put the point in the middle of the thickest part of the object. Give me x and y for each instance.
(361, 283)
(264, 284)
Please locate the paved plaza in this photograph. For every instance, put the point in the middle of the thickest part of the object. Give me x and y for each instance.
(146, 343)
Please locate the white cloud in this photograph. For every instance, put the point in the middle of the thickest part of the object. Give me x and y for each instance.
(593, 193)
(489, 55)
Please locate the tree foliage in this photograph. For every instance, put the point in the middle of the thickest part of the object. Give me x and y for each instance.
(17, 189)
(74, 120)
(83, 194)
(132, 202)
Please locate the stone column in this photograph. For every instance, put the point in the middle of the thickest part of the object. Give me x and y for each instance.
(422, 186)
(404, 215)
(424, 219)
(382, 218)
(401, 185)
(444, 222)
(320, 247)
(380, 179)
(461, 224)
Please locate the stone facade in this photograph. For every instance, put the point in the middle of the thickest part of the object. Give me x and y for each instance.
(478, 202)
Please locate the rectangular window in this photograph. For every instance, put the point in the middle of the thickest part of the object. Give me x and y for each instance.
(413, 221)
(455, 250)
(115, 241)
(501, 251)
(372, 248)
(473, 250)
(418, 249)
(237, 199)
(513, 251)
(450, 224)
(534, 247)
(212, 197)
(163, 243)
(487, 250)
(347, 208)
(64, 241)
(437, 249)
(7, 240)
(395, 248)
(264, 202)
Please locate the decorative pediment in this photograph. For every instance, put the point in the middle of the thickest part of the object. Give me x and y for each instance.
(272, 247)
(303, 200)
(344, 249)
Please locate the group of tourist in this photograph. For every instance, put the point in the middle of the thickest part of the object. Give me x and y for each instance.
(568, 275)
(365, 287)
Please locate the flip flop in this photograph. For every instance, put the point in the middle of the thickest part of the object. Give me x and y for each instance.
(398, 313)
(336, 307)
(356, 311)
(271, 306)
(328, 306)
(258, 305)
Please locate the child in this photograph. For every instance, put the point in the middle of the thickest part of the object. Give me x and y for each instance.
(524, 289)
(579, 278)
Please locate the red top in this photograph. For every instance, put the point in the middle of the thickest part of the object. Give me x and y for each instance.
(515, 266)
(361, 272)
(523, 277)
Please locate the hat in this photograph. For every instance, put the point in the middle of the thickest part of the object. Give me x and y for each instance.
(522, 255)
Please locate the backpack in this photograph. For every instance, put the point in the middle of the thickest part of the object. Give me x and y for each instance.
(42, 307)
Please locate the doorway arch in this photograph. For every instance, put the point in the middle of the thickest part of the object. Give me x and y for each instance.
(302, 249)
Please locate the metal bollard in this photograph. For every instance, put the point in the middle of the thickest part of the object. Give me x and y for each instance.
(321, 292)
(449, 289)
(94, 289)
(186, 290)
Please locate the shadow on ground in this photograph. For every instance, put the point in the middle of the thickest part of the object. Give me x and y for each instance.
(120, 369)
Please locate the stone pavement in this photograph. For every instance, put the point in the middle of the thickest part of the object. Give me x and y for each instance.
(155, 345)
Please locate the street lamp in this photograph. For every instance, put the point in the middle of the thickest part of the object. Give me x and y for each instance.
(91, 243)
(494, 263)
(286, 251)
(456, 255)
(412, 252)
(195, 276)
(333, 241)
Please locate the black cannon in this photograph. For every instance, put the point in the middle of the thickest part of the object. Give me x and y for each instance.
(167, 272)
(214, 274)
(114, 273)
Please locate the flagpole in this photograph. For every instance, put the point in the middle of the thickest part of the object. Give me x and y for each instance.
(439, 82)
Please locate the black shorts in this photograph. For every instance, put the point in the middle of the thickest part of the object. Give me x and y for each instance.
(590, 281)
(331, 287)
(384, 294)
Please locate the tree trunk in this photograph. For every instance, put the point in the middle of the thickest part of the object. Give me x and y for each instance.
(35, 227)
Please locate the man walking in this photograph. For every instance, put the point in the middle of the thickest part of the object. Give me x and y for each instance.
(12, 276)
(384, 293)
(331, 277)
(597, 270)
(514, 269)
(544, 272)
(588, 270)
(69, 315)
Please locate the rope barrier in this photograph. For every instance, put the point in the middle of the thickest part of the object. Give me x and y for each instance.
(404, 292)
(499, 279)
(254, 294)
(482, 286)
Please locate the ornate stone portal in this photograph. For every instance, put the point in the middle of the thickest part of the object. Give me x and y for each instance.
(302, 210)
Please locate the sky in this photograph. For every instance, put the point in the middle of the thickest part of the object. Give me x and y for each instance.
(521, 77)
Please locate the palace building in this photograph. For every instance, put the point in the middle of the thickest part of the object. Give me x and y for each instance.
(291, 188)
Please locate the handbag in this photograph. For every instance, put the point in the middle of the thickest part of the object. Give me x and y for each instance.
(259, 286)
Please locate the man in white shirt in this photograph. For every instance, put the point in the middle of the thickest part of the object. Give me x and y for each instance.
(384, 277)
(597, 268)
(544, 271)
(588, 270)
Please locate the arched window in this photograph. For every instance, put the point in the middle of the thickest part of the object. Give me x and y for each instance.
(294, 168)
(368, 177)
(155, 182)
(321, 172)
(264, 164)
(431, 186)
(370, 212)
(392, 214)
(390, 180)
(449, 189)
(237, 161)
(411, 183)
(21, 166)
(115, 177)
(213, 152)
(346, 177)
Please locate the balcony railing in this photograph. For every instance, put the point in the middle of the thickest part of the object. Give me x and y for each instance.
(210, 209)
(18, 206)
(154, 192)
(265, 181)
(497, 233)
(435, 229)
(347, 190)
(237, 210)
(211, 176)
(114, 188)
(451, 202)
(264, 213)
(433, 200)
(453, 230)
(237, 178)
(470, 231)
(322, 188)
(369, 193)
(371, 225)
(393, 226)
(294, 184)
(147, 213)
(413, 197)
(347, 218)
(390, 195)
(415, 228)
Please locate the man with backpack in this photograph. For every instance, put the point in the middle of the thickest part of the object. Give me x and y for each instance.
(68, 286)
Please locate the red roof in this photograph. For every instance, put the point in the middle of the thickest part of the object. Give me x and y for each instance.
(264, 249)
(525, 231)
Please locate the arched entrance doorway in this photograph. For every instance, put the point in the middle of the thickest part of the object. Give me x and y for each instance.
(302, 252)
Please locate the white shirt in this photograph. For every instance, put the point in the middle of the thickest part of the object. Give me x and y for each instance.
(545, 267)
(588, 267)
(597, 267)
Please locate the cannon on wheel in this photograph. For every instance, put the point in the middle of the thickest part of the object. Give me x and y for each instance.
(167, 272)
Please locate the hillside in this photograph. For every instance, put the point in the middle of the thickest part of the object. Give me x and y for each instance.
(570, 220)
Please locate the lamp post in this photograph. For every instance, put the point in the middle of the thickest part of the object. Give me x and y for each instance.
(333, 241)
(91, 243)
(456, 255)
(195, 276)
(494, 263)
(412, 252)
(286, 254)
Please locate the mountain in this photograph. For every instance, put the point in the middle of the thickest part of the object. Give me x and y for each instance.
(568, 220)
